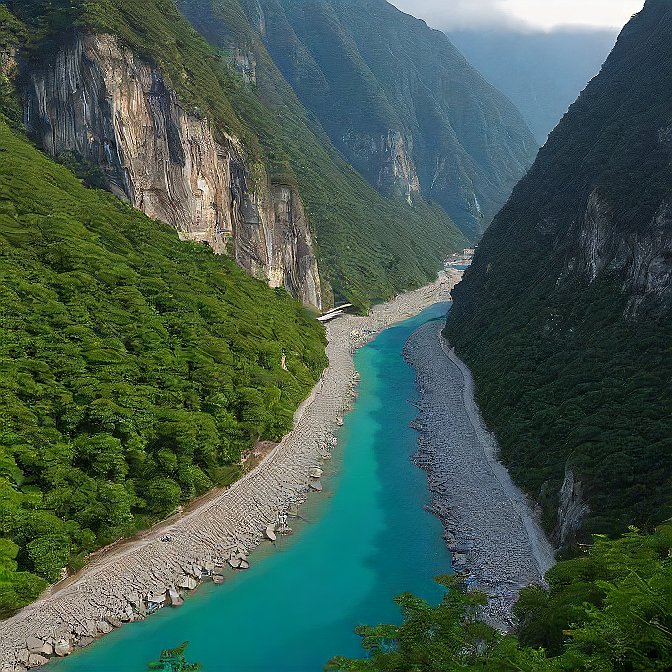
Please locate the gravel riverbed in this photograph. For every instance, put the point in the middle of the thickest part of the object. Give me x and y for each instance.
(488, 523)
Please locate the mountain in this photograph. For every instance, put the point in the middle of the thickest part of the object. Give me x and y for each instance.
(542, 73)
(564, 316)
(399, 101)
(134, 369)
(133, 96)
(146, 337)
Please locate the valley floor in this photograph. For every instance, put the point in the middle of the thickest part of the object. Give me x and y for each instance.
(488, 522)
(223, 529)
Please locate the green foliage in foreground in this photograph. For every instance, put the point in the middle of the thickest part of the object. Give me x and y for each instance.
(608, 611)
(173, 660)
(134, 369)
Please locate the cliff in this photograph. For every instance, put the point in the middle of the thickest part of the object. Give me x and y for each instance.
(565, 314)
(211, 139)
(103, 103)
(400, 102)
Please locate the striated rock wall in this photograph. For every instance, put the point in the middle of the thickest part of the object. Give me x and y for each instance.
(642, 255)
(387, 159)
(572, 510)
(97, 99)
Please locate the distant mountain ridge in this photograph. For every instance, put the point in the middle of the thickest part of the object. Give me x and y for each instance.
(565, 315)
(401, 103)
(542, 73)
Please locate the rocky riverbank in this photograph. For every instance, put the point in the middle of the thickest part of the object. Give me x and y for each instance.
(161, 566)
(488, 522)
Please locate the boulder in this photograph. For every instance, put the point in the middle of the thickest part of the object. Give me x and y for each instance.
(34, 645)
(35, 660)
(63, 647)
(84, 642)
(316, 485)
(103, 627)
(47, 650)
(175, 598)
(188, 583)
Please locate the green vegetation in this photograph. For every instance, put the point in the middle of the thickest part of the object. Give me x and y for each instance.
(134, 369)
(369, 247)
(364, 70)
(568, 374)
(609, 610)
(173, 660)
(12, 34)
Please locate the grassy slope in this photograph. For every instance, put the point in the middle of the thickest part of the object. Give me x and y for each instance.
(134, 368)
(563, 378)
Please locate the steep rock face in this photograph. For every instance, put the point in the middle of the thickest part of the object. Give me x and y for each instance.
(387, 160)
(101, 102)
(572, 510)
(400, 102)
(565, 313)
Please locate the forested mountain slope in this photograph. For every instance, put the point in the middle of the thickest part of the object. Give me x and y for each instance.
(134, 368)
(564, 316)
(399, 101)
(129, 91)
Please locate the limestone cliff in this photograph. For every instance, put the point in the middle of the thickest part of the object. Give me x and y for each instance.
(641, 255)
(100, 101)
(387, 158)
(400, 102)
(571, 511)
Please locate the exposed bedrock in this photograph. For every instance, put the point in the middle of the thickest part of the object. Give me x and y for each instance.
(101, 102)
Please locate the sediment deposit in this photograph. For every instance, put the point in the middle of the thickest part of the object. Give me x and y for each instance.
(489, 524)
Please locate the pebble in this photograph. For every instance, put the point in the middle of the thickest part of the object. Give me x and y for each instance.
(488, 522)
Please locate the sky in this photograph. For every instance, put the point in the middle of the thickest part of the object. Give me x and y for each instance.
(521, 14)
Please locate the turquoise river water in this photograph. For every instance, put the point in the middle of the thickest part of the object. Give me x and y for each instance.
(368, 539)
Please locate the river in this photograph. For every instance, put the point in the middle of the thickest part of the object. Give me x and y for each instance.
(367, 539)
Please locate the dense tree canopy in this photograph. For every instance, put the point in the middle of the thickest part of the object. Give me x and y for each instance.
(609, 610)
(134, 369)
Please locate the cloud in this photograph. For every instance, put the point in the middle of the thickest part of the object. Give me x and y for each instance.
(521, 14)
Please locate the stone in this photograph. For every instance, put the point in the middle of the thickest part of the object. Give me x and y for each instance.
(188, 583)
(34, 645)
(35, 660)
(103, 627)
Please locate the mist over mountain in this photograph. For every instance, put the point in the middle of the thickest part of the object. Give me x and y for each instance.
(541, 72)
